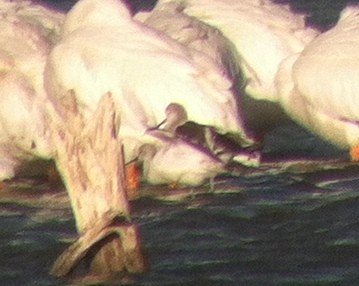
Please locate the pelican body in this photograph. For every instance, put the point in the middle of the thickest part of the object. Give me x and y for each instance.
(206, 45)
(262, 35)
(322, 89)
(28, 32)
(104, 50)
(178, 161)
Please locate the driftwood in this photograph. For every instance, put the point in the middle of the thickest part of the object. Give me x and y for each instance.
(90, 160)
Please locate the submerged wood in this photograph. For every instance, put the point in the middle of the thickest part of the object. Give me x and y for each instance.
(127, 232)
(90, 160)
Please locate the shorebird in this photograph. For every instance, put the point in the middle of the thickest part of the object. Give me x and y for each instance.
(262, 35)
(104, 50)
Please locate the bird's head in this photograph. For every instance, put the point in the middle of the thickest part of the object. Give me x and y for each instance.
(95, 13)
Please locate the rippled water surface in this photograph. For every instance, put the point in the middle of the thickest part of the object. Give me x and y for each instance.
(294, 225)
(289, 226)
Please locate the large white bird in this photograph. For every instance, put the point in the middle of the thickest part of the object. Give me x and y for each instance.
(319, 86)
(205, 44)
(28, 32)
(263, 34)
(178, 161)
(104, 50)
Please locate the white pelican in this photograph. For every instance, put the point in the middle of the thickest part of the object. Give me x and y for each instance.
(27, 34)
(200, 39)
(319, 86)
(178, 161)
(263, 34)
(205, 44)
(103, 50)
(30, 128)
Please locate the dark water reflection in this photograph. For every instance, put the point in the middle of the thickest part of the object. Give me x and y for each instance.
(287, 233)
(271, 228)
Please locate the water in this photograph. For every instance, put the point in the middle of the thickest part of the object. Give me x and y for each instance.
(288, 230)
(273, 227)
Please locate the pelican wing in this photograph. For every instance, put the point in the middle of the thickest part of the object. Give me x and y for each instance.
(27, 34)
(326, 73)
(137, 64)
(263, 33)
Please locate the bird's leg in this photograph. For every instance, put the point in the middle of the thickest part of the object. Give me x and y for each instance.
(133, 177)
(2, 185)
(354, 153)
(173, 185)
(211, 185)
(90, 160)
(53, 175)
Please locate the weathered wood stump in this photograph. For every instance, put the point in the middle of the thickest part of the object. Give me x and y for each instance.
(89, 158)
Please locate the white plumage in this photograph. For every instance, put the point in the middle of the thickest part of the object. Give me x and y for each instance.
(178, 161)
(263, 35)
(313, 78)
(104, 50)
(206, 45)
(324, 83)
(27, 34)
(262, 32)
